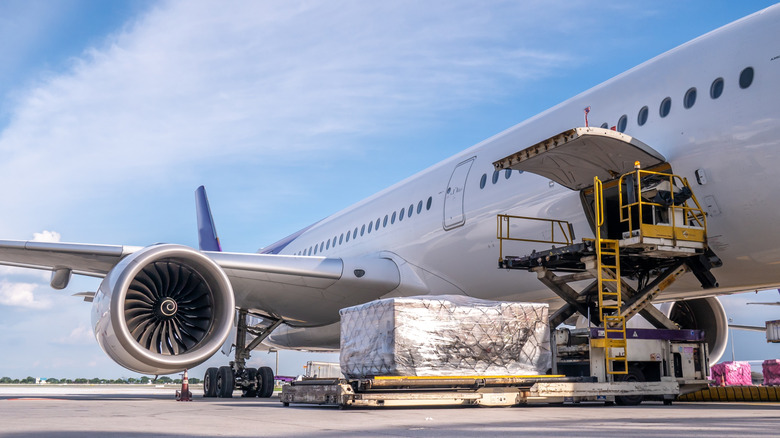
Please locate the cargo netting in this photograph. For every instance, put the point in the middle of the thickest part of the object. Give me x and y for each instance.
(444, 336)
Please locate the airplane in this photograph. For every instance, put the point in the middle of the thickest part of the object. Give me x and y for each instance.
(706, 110)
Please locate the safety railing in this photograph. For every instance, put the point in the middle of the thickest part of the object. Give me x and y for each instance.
(561, 232)
(685, 219)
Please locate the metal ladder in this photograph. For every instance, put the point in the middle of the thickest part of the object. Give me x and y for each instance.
(609, 288)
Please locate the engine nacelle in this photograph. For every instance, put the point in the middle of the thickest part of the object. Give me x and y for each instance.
(702, 314)
(163, 309)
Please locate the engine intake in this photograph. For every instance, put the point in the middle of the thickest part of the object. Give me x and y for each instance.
(702, 314)
(163, 309)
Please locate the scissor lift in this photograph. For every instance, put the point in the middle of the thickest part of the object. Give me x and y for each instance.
(648, 226)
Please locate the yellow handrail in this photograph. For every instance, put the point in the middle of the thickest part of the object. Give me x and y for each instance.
(503, 231)
(691, 215)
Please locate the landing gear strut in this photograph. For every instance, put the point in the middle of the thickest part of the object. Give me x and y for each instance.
(253, 382)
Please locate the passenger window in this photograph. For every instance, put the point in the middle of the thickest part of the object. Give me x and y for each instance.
(341, 239)
(348, 234)
(641, 119)
(309, 250)
(716, 89)
(746, 78)
(354, 233)
(419, 206)
(370, 225)
(384, 224)
(392, 219)
(403, 213)
(327, 244)
(690, 98)
(666, 107)
(482, 181)
(377, 224)
(622, 122)
(428, 204)
(410, 211)
(362, 229)
(495, 176)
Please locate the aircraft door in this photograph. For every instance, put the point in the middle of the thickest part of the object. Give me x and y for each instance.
(453, 198)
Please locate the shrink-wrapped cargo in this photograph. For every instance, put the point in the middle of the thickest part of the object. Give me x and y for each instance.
(731, 373)
(444, 335)
(771, 369)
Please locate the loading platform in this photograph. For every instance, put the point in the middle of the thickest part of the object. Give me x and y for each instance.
(649, 230)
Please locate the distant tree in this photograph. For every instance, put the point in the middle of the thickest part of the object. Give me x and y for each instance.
(52, 380)
(144, 380)
(132, 380)
(164, 379)
(28, 379)
(15, 381)
(177, 381)
(5, 380)
(194, 380)
(80, 380)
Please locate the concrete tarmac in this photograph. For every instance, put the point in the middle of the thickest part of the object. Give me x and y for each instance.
(149, 411)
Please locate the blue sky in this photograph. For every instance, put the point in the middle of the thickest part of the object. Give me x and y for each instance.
(111, 113)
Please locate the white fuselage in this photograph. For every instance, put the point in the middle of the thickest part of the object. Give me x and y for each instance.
(734, 139)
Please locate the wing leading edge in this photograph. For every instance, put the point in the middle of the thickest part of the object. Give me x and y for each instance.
(299, 289)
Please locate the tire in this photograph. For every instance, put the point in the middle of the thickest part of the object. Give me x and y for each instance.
(225, 382)
(250, 388)
(634, 375)
(210, 383)
(265, 381)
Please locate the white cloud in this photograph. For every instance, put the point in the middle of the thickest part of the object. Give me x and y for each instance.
(46, 236)
(194, 82)
(20, 295)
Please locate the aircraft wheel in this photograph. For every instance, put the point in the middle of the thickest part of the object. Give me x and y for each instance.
(266, 380)
(210, 383)
(634, 375)
(250, 376)
(225, 382)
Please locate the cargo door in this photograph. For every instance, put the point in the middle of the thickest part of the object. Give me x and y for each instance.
(453, 198)
(572, 158)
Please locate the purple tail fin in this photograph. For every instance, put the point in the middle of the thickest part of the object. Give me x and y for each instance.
(207, 232)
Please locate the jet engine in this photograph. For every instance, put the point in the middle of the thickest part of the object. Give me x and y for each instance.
(163, 309)
(705, 314)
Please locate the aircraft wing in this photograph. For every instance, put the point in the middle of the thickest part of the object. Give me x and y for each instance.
(295, 288)
(80, 258)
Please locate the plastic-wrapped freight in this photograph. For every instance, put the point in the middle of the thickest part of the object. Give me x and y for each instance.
(731, 373)
(771, 369)
(444, 335)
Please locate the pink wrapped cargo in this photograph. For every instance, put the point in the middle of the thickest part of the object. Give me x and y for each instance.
(771, 368)
(731, 374)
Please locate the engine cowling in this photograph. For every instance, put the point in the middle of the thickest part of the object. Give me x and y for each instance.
(163, 309)
(702, 314)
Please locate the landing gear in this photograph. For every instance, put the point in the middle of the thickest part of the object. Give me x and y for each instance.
(249, 384)
(210, 383)
(225, 382)
(220, 382)
(266, 379)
